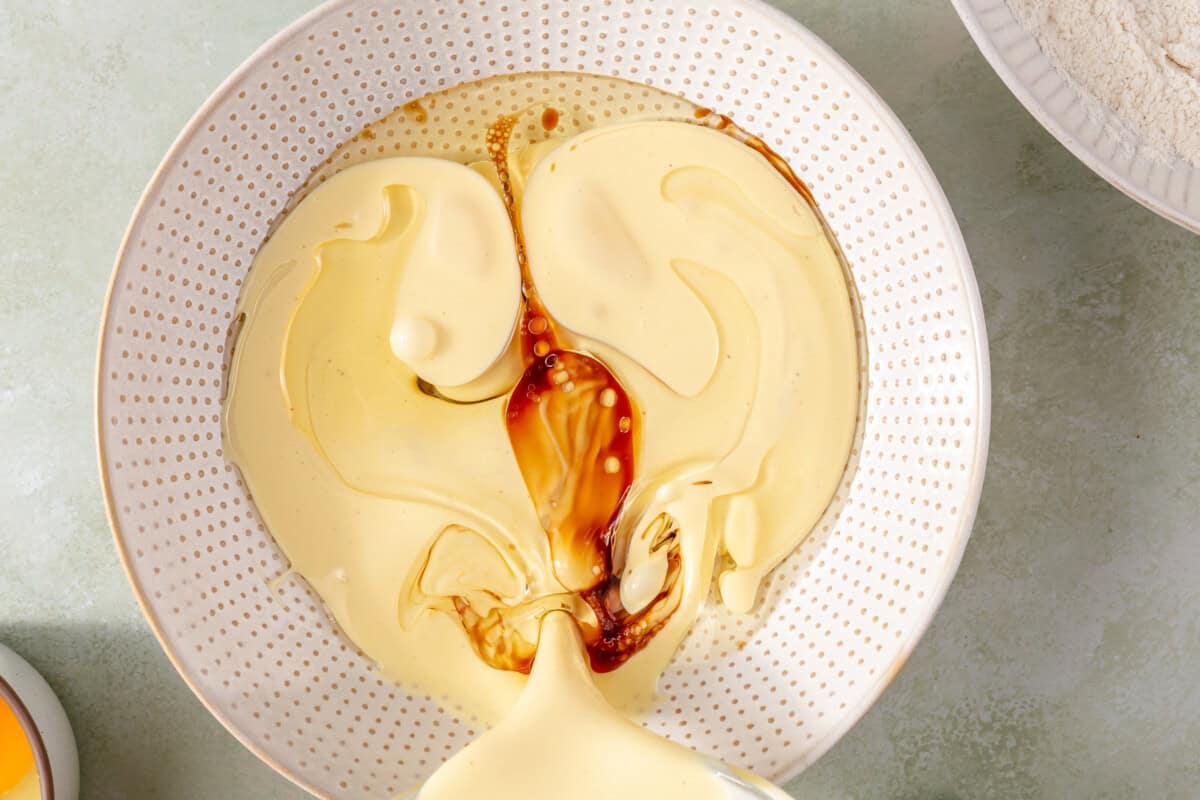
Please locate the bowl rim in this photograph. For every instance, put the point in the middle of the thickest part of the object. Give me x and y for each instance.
(1037, 109)
(193, 125)
(978, 327)
(956, 244)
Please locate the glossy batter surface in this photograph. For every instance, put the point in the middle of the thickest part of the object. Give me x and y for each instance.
(386, 327)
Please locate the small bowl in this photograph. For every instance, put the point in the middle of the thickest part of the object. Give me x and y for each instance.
(1170, 189)
(45, 724)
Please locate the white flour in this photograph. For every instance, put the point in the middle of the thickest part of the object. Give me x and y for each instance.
(1140, 58)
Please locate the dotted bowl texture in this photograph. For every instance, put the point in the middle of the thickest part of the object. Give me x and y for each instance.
(1168, 187)
(769, 691)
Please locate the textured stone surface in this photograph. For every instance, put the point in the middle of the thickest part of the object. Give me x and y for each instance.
(1063, 662)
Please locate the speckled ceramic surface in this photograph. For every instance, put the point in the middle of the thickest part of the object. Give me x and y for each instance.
(770, 691)
(1170, 187)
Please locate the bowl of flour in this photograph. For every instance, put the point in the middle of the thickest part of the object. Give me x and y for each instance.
(1116, 81)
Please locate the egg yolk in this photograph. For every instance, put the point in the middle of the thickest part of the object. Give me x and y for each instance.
(16, 754)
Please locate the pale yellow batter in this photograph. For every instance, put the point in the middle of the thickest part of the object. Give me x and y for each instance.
(673, 253)
(564, 740)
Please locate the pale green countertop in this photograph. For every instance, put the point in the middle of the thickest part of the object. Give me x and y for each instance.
(1065, 660)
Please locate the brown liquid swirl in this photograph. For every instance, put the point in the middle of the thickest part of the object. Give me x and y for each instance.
(574, 432)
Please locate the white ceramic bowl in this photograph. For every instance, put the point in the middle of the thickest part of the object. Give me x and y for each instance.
(769, 691)
(45, 723)
(1169, 188)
